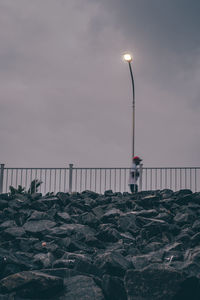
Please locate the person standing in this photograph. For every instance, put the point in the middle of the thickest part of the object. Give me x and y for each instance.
(134, 174)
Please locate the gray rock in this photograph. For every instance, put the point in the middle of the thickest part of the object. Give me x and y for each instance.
(101, 237)
(64, 217)
(64, 198)
(3, 204)
(64, 263)
(7, 224)
(112, 263)
(155, 282)
(14, 232)
(38, 215)
(31, 284)
(43, 260)
(81, 287)
(41, 226)
(113, 288)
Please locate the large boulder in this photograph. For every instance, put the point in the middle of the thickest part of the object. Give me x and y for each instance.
(155, 282)
(81, 287)
(31, 284)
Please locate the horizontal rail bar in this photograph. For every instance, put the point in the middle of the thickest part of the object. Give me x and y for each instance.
(99, 179)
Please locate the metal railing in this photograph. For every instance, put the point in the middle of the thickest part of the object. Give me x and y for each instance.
(73, 179)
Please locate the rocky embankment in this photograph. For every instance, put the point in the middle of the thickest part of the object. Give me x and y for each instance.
(100, 247)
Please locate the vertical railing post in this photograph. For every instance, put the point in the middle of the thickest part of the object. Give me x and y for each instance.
(1, 177)
(140, 178)
(70, 177)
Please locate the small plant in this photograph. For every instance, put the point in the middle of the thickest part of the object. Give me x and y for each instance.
(19, 190)
(35, 184)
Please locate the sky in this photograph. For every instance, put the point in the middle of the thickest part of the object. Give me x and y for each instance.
(65, 91)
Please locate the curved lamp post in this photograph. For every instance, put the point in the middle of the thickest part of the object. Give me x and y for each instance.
(128, 58)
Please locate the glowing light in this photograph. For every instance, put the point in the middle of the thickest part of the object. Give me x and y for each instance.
(127, 57)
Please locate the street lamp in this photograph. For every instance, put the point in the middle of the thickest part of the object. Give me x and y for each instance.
(128, 58)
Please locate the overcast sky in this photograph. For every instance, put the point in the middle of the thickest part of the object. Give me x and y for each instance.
(65, 92)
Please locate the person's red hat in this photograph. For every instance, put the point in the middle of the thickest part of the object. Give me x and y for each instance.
(137, 158)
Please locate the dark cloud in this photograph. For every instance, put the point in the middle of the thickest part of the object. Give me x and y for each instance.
(66, 94)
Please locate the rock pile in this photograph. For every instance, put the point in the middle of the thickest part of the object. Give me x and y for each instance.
(114, 246)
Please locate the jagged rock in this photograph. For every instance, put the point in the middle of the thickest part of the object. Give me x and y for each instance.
(112, 263)
(89, 219)
(31, 284)
(113, 288)
(3, 204)
(90, 194)
(149, 201)
(108, 234)
(14, 262)
(7, 224)
(141, 239)
(14, 232)
(38, 227)
(141, 261)
(181, 193)
(43, 260)
(195, 239)
(78, 230)
(155, 282)
(64, 217)
(184, 218)
(108, 193)
(165, 194)
(81, 287)
(64, 263)
(127, 222)
(38, 215)
(110, 215)
(64, 198)
(8, 297)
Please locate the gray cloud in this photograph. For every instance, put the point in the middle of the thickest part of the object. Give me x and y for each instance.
(66, 94)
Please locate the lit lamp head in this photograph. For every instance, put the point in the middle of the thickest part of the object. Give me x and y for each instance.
(127, 57)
